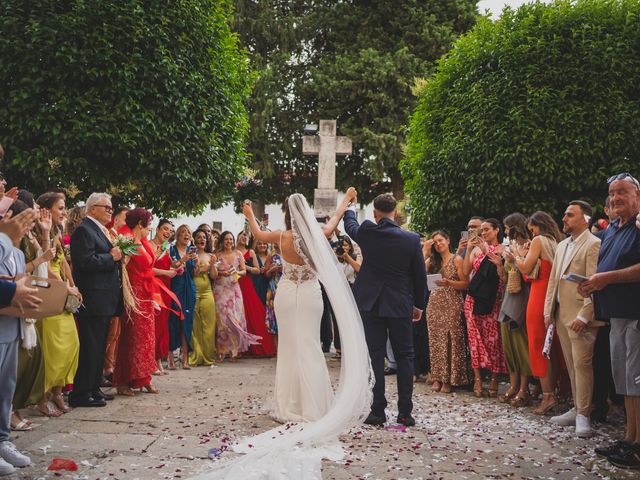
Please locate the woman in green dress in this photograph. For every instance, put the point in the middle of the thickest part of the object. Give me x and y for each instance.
(58, 334)
(203, 336)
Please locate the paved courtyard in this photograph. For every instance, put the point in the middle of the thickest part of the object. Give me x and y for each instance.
(168, 436)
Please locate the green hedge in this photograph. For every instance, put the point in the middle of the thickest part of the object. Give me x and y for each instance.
(141, 98)
(528, 112)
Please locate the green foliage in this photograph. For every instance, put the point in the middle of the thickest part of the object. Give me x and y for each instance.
(527, 113)
(143, 99)
(354, 61)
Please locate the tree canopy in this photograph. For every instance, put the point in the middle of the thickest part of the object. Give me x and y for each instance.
(528, 112)
(143, 99)
(353, 61)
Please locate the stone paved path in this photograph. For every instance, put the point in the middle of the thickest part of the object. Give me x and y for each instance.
(168, 436)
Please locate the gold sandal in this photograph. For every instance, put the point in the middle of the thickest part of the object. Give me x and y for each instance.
(508, 395)
(522, 399)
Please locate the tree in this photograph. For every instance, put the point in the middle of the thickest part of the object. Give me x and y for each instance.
(142, 99)
(527, 113)
(354, 61)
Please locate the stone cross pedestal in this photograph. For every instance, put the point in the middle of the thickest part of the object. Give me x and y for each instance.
(326, 145)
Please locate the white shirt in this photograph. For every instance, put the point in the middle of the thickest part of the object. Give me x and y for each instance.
(102, 228)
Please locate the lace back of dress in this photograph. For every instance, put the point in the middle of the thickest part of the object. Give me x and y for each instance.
(293, 272)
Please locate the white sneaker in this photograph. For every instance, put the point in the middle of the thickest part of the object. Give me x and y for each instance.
(583, 426)
(10, 453)
(6, 468)
(567, 419)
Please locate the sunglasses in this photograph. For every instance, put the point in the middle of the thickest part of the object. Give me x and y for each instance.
(624, 176)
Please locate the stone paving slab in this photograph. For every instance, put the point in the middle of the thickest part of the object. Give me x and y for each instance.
(168, 436)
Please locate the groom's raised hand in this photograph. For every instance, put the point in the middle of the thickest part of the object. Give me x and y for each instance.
(352, 194)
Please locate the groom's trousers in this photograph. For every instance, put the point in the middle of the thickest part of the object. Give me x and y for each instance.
(400, 332)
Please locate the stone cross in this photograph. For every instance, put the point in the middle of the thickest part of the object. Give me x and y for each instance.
(326, 145)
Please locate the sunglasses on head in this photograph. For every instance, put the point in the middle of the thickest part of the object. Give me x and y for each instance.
(626, 176)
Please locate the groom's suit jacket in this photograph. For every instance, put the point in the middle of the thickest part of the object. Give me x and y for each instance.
(392, 279)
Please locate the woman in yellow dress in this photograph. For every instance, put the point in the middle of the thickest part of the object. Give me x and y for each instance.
(58, 334)
(203, 337)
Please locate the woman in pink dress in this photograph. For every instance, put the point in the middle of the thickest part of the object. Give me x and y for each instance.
(485, 343)
(232, 337)
(136, 361)
(254, 309)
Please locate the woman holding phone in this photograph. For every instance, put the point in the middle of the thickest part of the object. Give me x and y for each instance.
(183, 259)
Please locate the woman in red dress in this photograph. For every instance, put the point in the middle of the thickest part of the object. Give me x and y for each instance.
(254, 309)
(164, 273)
(136, 347)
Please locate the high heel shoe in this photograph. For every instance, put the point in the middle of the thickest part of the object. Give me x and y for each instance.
(125, 391)
(508, 396)
(149, 389)
(493, 388)
(477, 388)
(185, 363)
(545, 408)
(58, 401)
(522, 399)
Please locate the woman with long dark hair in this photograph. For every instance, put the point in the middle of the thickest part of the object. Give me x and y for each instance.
(534, 260)
(60, 343)
(481, 309)
(164, 273)
(513, 314)
(203, 337)
(444, 315)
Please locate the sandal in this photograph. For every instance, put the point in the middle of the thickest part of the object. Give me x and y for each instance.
(149, 389)
(522, 399)
(125, 391)
(546, 408)
(477, 388)
(58, 401)
(508, 395)
(20, 424)
(493, 388)
(436, 387)
(48, 409)
(446, 388)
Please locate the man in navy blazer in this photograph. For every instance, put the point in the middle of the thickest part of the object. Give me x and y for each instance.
(391, 291)
(96, 273)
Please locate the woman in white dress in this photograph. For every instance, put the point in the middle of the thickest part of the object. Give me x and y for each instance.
(303, 391)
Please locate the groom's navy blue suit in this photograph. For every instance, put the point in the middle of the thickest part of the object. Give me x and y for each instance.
(391, 281)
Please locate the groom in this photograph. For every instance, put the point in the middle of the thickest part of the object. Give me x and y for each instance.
(390, 291)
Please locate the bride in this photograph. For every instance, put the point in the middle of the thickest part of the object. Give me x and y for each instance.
(303, 392)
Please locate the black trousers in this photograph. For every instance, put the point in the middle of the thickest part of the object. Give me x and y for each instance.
(326, 327)
(400, 333)
(421, 364)
(92, 331)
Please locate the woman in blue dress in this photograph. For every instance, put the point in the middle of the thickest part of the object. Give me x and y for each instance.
(183, 286)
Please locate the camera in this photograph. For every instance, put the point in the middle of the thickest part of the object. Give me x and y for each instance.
(338, 246)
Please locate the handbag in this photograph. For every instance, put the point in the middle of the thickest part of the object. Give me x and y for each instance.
(514, 280)
(51, 291)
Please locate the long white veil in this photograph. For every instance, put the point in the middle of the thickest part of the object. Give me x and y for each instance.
(296, 452)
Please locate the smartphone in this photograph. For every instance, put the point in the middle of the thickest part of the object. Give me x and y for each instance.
(192, 249)
(464, 234)
(473, 234)
(265, 217)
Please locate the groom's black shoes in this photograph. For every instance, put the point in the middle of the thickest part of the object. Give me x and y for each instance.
(406, 419)
(374, 419)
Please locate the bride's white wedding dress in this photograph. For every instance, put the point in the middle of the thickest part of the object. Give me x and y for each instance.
(303, 389)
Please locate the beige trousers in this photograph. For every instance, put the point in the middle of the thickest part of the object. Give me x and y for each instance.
(578, 355)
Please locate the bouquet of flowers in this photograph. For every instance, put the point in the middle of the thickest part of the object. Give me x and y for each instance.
(248, 187)
(127, 245)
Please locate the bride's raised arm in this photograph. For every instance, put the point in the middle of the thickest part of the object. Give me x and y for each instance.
(329, 227)
(260, 235)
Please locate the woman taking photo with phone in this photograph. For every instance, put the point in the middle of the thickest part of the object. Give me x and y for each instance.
(183, 257)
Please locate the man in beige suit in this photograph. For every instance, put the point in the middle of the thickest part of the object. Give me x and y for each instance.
(572, 314)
